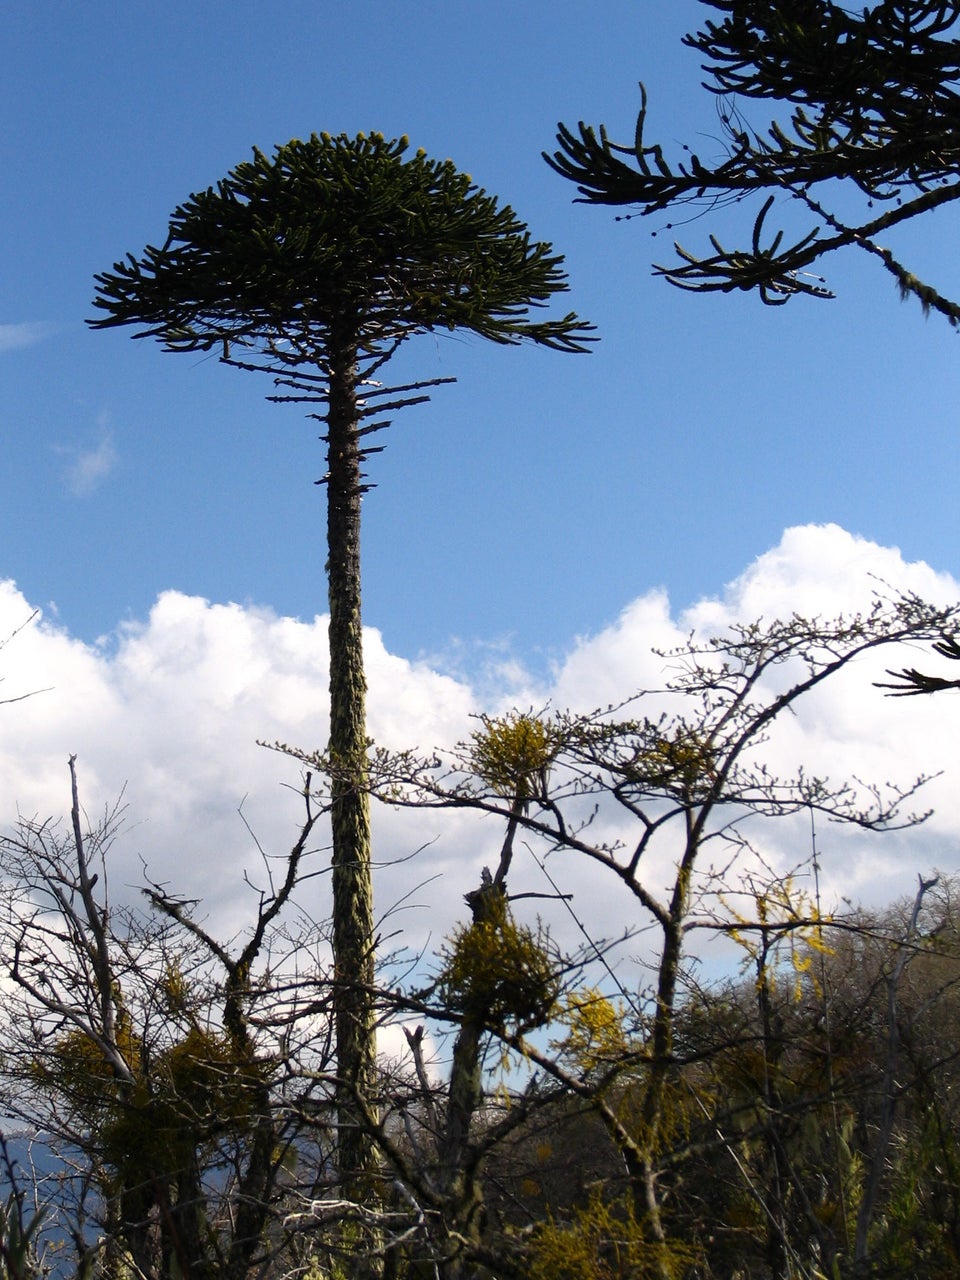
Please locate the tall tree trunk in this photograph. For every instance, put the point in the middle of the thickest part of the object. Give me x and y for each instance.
(353, 951)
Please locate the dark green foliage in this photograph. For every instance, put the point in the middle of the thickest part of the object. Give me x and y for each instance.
(339, 230)
(871, 102)
(873, 90)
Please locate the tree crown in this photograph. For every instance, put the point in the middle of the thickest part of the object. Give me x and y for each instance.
(346, 235)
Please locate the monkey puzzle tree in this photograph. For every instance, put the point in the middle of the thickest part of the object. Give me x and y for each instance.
(872, 108)
(318, 262)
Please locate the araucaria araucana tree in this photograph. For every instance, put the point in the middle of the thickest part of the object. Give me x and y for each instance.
(315, 264)
(871, 107)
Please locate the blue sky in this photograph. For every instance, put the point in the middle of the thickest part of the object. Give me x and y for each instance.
(532, 501)
(535, 530)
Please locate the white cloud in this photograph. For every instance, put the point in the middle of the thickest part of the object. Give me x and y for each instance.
(819, 569)
(85, 468)
(847, 729)
(14, 337)
(173, 706)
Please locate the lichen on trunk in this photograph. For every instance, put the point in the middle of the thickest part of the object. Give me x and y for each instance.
(353, 942)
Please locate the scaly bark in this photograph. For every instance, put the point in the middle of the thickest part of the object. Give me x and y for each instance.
(353, 943)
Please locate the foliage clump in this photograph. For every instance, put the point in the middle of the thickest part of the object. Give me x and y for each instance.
(604, 1241)
(174, 1100)
(499, 972)
(597, 1030)
(680, 761)
(513, 754)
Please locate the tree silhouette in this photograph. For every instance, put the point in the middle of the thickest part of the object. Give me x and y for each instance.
(314, 265)
(908, 681)
(872, 123)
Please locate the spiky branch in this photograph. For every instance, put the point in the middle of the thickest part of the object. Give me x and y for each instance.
(871, 103)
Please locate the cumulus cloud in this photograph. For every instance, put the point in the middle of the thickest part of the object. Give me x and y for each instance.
(170, 711)
(170, 708)
(846, 730)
